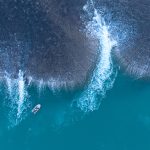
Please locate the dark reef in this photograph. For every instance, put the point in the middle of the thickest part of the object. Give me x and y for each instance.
(43, 38)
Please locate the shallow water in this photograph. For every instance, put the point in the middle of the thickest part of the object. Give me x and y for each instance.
(122, 122)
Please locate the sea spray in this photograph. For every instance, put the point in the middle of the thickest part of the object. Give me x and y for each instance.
(103, 75)
(17, 96)
(21, 92)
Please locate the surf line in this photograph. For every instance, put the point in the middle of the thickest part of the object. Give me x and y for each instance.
(17, 97)
(103, 75)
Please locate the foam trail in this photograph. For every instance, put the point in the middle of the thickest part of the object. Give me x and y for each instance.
(103, 76)
(21, 92)
(17, 97)
(9, 85)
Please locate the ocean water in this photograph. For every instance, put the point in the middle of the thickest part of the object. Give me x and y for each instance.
(122, 121)
(111, 112)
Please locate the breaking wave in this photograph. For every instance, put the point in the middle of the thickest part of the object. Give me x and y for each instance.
(103, 75)
(17, 96)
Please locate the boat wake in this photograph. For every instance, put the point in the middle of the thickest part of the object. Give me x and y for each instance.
(103, 75)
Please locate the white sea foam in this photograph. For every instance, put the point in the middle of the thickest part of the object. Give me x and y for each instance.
(21, 92)
(103, 76)
(17, 95)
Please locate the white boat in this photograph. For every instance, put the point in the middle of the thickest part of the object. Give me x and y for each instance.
(36, 108)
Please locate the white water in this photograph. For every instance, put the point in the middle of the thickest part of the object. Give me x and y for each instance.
(21, 92)
(17, 95)
(103, 77)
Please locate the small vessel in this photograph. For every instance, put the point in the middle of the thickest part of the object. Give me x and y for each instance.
(36, 108)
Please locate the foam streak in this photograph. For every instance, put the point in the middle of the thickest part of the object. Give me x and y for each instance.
(102, 76)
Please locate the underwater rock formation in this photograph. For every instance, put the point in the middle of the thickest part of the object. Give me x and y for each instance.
(44, 39)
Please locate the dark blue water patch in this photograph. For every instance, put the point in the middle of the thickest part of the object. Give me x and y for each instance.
(37, 39)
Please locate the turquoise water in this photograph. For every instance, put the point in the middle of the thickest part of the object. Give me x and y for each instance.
(121, 123)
